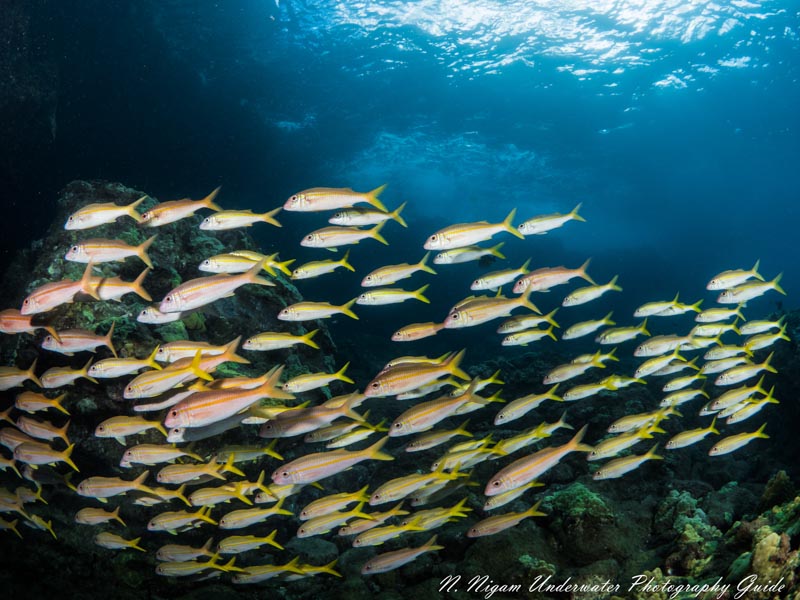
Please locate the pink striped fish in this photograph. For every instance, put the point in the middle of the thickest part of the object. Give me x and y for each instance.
(205, 290)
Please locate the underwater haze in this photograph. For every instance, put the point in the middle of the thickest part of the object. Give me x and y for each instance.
(671, 127)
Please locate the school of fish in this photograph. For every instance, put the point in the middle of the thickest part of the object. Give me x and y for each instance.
(188, 404)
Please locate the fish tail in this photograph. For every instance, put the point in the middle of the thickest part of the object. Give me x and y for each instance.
(346, 264)
(269, 217)
(550, 333)
(134, 544)
(755, 272)
(141, 250)
(138, 289)
(424, 266)
(203, 513)
(131, 209)
(229, 468)
(431, 545)
(284, 266)
(452, 365)
(272, 387)
(62, 433)
(341, 376)
(150, 361)
(395, 214)
(696, 306)
(65, 456)
(374, 451)
(643, 327)
(372, 197)
(345, 308)
(418, 294)
(775, 284)
(508, 224)
(495, 250)
(768, 366)
(230, 352)
(582, 271)
(138, 483)
(252, 274)
(107, 339)
(524, 270)
(612, 285)
(51, 330)
(57, 403)
(194, 367)
(711, 428)
(180, 494)
(526, 302)
(13, 527)
(86, 282)
(375, 232)
(208, 201)
(229, 567)
(575, 442)
(307, 339)
(160, 428)
(574, 214)
(533, 511)
(329, 568)
(31, 373)
(356, 512)
(651, 454)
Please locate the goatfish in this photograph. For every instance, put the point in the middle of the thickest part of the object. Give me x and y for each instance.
(11, 377)
(102, 250)
(749, 328)
(405, 377)
(321, 267)
(466, 254)
(325, 523)
(617, 335)
(153, 383)
(70, 341)
(273, 340)
(206, 408)
(587, 294)
(571, 370)
(692, 436)
(36, 453)
(619, 443)
(239, 519)
(112, 541)
(744, 372)
(191, 567)
(394, 273)
(175, 553)
(661, 344)
(102, 488)
(401, 487)
(436, 438)
(101, 213)
(50, 295)
(312, 381)
(153, 454)
(118, 367)
(734, 442)
(467, 234)
(522, 406)
(175, 210)
(174, 351)
(31, 402)
(765, 340)
(650, 309)
(376, 536)
(236, 544)
(97, 516)
(737, 395)
(114, 288)
(332, 503)
(548, 277)
(506, 497)
(13, 321)
(752, 407)
(498, 523)
(205, 290)
(416, 331)
(319, 465)
(523, 322)
(307, 311)
(528, 468)
(376, 519)
(121, 426)
(392, 296)
(259, 573)
(389, 561)
(42, 430)
(497, 279)
(748, 291)
(59, 376)
(152, 316)
(542, 224)
(732, 278)
(240, 261)
(482, 310)
(233, 219)
(715, 315)
(174, 521)
(620, 466)
(523, 338)
(323, 198)
(334, 236)
(357, 216)
(586, 327)
(182, 473)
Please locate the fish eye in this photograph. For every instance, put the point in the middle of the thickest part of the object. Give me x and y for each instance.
(496, 483)
(26, 302)
(398, 425)
(74, 249)
(168, 299)
(294, 197)
(174, 413)
(70, 220)
(206, 262)
(375, 385)
(309, 237)
(101, 428)
(284, 473)
(129, 388)
(432, 238)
